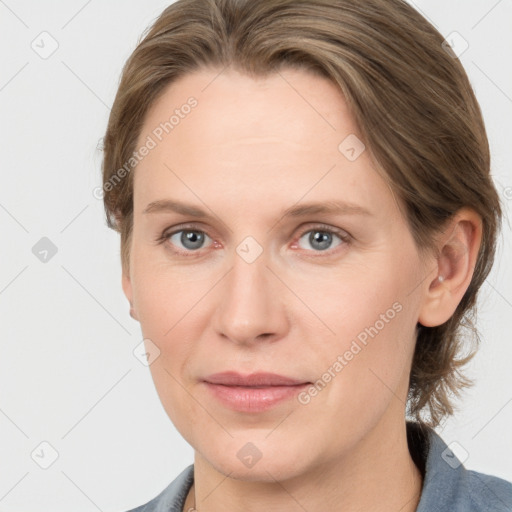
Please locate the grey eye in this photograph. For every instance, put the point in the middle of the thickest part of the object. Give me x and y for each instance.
(189, 239)
(319, 239)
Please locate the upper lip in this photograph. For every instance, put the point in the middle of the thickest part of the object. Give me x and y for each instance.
(254, 379)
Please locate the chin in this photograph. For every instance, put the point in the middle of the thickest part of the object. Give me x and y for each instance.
(255, 461)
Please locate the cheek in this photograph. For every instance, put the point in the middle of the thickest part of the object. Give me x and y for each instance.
(369, 324)
(166, 296)
(350, 300)
(362, 371)
(170, 312)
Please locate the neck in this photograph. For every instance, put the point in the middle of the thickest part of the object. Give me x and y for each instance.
(377, 475)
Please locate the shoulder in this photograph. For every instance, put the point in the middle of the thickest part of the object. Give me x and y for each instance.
(487, 492)
(447, 484)
(172, 498)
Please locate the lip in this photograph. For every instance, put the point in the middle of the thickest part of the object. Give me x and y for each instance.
(253, 393)
(263, 379)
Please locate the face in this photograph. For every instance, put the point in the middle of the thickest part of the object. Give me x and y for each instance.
(264, 240)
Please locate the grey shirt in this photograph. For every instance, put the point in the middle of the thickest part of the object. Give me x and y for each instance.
(447, 484)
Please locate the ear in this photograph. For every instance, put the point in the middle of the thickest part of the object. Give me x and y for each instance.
(126, 283)
(458, 248)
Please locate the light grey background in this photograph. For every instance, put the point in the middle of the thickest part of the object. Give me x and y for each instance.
(68, 375)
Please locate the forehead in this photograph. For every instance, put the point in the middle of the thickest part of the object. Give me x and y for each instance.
(277, 137)
(233, 108)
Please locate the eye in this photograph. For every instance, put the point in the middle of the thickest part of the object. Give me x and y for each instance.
(190, 239)
(321, 239)
(187, 241)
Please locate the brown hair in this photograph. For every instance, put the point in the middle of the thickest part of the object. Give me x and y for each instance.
(408, 94)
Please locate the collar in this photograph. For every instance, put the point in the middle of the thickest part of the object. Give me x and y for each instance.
(447, 484)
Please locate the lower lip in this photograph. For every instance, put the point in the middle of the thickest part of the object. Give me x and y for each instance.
(246, 399)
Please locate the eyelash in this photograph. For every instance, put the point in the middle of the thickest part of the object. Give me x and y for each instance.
(342, 235)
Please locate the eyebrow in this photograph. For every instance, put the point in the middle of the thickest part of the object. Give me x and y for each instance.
(326, 207)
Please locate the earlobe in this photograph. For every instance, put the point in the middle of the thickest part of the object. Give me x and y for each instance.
(128, 291)
(133, 314)
(457, 253)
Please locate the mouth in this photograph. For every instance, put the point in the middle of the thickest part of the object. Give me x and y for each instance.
(253, 393)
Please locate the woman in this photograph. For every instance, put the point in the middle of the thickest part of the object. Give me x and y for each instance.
(306, 212)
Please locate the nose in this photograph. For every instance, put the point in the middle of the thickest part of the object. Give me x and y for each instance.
(250, 306)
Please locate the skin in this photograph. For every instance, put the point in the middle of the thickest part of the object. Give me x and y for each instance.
(249, 150)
